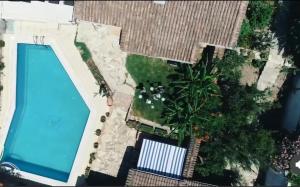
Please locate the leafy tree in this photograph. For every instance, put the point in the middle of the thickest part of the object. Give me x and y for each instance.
(193, 100)
(207, 100)
(242, 139)
(245, 147)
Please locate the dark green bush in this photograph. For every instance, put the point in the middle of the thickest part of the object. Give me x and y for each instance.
(262, 40)
(260, 13)
(260, 64)
(145, 128)
(84, 51)
(258, 17)
(228, 67)
(1, 65)
(160, 132)
(98, 132)
(2, 43)
(246, 34)
(103, 119)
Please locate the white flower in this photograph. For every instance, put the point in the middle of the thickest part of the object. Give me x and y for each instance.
(163, 99)
(158, 95)
(140, 96)
(148, 101)
(151, 88)
(152, 106)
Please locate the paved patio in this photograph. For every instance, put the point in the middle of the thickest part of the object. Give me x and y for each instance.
(116, 137)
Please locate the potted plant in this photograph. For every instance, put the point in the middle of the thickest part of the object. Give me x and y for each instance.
(98, 132)
(103, 119)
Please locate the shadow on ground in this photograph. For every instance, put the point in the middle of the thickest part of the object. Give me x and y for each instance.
(129, 161)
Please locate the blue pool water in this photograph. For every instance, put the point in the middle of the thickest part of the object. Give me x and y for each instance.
(50, 115)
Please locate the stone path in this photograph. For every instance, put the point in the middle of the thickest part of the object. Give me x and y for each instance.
(272, 68)
(116, 137)
(272, 77)
(114, 140)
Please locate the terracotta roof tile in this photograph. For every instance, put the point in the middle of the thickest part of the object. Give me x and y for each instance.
(141, 178)
(171, 30)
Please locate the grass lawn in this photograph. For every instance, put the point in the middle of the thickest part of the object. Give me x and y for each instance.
(146, 70)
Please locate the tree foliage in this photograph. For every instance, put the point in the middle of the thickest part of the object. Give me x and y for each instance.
(207, 100)
(294, 179)
(193, 100)
(293, 43)
(246, 34)
(241, 140)
(260, 13)
(258, 17)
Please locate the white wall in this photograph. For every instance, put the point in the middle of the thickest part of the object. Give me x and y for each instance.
(36, 11)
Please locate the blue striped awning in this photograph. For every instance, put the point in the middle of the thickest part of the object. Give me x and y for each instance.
(160, 158)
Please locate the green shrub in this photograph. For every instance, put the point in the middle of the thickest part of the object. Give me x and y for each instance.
(259, 16)
(84, 51)
(246, 34)
(264, 55)
(2, 43)
(294, 179)
(146, 128)
(262, 40)
(260, 13)
(2, 66)
(229, 67)
(160, 132)
(260, 64)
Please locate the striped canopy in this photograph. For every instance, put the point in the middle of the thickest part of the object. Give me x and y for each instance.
(160, 158)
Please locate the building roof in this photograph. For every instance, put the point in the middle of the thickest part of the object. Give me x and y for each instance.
(141, 178)
(174, 30)
(161, 158)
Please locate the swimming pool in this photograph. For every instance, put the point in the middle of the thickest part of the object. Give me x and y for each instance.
(49, 118)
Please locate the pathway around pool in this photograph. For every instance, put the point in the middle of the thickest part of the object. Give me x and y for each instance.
(116, 136)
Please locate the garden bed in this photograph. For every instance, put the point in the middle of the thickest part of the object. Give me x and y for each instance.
(86, 56)
(148, 72)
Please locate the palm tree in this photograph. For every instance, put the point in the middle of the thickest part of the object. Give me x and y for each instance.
(189, 106)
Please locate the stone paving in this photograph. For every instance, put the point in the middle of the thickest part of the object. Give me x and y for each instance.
(113, 141)
(272, 69)
(116, 137)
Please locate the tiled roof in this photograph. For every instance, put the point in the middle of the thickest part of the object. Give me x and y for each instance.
(175, 30)
(140, 178)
